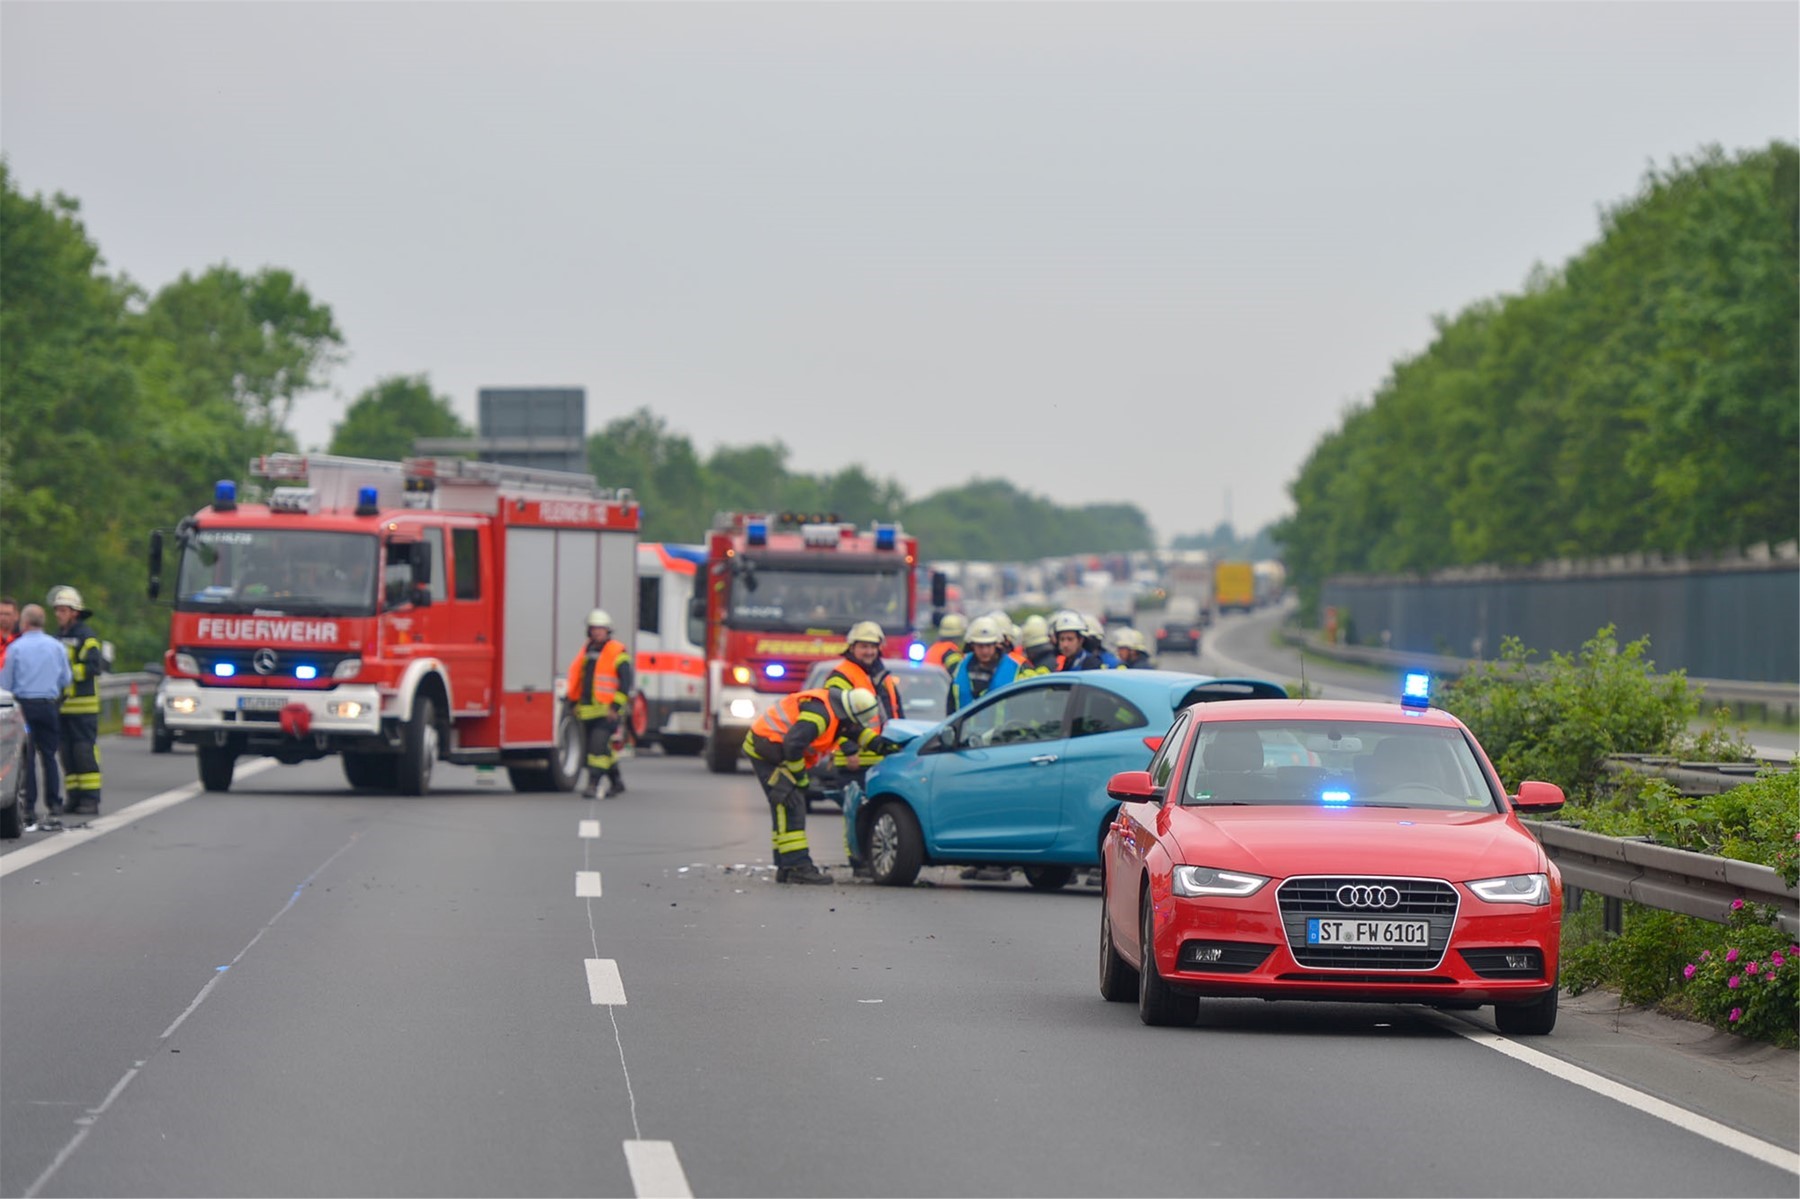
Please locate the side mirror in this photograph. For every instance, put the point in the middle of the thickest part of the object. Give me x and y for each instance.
(156, 562)
(1131, 785)
(1540, 798)
(696, 620)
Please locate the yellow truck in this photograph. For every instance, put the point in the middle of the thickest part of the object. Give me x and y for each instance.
(1234, 586)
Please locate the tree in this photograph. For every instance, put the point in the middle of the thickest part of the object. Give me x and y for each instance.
(388, 417)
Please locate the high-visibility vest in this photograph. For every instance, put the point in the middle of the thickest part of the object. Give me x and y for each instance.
(598, 690)
(82, 696)
(773, 725)
(943, 653)
(850, 674)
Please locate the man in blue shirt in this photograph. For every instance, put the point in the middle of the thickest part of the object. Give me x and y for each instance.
(36, 670)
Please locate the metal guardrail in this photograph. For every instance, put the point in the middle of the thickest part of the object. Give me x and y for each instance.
(1692, 778)
(1782, 697)
(1673, 880)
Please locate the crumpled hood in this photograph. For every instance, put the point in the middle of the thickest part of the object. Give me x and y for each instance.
(1285, 841)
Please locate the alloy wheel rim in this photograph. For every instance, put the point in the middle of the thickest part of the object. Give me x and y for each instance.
(883, 840)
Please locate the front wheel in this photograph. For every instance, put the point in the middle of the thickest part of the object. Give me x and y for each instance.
(1158, 1002)
(722, 753)
(370, 772)
(420, 752)
(1049, 878)
(216, 767)
(568, 755)
(1534, 1019)
(896, 847)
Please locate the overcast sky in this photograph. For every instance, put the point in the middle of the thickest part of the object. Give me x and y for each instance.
(1144, 253)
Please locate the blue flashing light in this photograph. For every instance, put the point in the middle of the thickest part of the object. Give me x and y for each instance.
(1415, 690)
(757, 532)
(306, 672)
(368, 501)
(225, 495)
(224, 669)
(775, 670)
(915, 652)
(1335, 797)
(884, 537)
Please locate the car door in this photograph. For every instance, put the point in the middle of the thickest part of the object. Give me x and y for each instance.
(1134, 832)
(1106, 735)
(996, 777)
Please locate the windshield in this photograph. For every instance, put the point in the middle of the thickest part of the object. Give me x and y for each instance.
(277, 570)
(1338, 763)
(784, 599)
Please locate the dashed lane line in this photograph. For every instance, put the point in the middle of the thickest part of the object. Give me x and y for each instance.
(587, 884)
(588, 829)
(604, 984)
(656, 1172)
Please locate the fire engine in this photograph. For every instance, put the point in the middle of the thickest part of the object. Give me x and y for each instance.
(394, 613)
(671, 650)
(779, 593)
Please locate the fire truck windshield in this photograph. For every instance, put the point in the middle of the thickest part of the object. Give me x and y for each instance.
(778, 597)
(277, 570)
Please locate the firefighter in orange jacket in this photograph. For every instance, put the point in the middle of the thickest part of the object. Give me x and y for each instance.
(947, 650)
(862, 667)
(786, 742)
(599, 685)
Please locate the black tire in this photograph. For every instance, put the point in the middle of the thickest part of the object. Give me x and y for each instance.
(419, 752)
(371, 772)
(895, 846)
(682, 745)
(1158, 1003)
(1534, 1019)
(1118, 981)
(722, 753)
(216, 766)
(531, 778)
(569, 756)
(12, 816)
(162, 741)
(1049, 878)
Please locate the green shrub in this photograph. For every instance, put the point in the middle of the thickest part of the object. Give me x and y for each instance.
(1758, 821)
(1645, 963)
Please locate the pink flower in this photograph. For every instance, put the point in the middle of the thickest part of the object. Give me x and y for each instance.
(1705, 954)
(1776, 960)
(1689, 972)
(1752, 968)
(1731, 955)
(1737, 1013)
(1737, 905)
(1734, 981)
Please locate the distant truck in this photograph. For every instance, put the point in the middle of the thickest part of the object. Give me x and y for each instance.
(1191, 579)
(1271, 579)
(1234, 586)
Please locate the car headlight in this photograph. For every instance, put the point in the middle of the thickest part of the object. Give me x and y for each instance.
(1533, 889)
(345, 709)
(187, 664)
(184, 705)
(740, 675)
(347, 669)
(1194, 881)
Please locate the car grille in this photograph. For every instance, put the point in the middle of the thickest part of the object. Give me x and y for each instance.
(1491, 963)
(1235, 957)
(1432, 900)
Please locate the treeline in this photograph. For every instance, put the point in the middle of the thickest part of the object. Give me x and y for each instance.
(1645, 397)
(985, 519)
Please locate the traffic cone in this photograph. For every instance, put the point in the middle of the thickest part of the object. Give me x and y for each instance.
(134, 715)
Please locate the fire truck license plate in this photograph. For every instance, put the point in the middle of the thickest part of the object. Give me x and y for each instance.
(261, 703)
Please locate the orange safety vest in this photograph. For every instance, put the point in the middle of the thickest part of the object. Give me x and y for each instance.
(888, 693)
(773, 725)
(941, 650)
(604, 688)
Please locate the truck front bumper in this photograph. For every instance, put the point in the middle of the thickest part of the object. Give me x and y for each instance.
(190, 709)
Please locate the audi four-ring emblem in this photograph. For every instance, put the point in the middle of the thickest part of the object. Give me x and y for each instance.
(1359, 896)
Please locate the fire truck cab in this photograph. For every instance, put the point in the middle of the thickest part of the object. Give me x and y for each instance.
(394, 613)
(779, 593)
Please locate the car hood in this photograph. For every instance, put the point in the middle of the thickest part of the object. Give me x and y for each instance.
(1282, 842)
(907, 731)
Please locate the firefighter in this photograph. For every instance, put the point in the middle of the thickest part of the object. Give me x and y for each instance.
(1133, 650)
(984, 669)
(79, 720)
(862, 667)
(783, 746)
(1038, 647)
(947, 650)
(599, 685)
(1079, 648)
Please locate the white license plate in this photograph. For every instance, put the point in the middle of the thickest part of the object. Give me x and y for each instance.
(1380, 933)
(262, 703)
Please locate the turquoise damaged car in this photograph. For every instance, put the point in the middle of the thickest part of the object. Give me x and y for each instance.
(1018, 778)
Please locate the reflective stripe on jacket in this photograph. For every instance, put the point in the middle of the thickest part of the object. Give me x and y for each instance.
(850, 674)
(804, 725)
(593, 684)
(86, 661)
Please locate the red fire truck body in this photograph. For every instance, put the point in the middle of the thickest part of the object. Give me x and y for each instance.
(780, 593)
(394, 613)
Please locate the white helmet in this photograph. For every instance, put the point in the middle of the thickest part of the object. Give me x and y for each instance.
(983, 631)
(1034, 632)
(1068, 621)
(598, 619)
(66, 597)
(864, 630)
(861, 706)
(953, 627)
(1130, 638)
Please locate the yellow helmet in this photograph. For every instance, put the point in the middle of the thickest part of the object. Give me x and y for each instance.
(953, 627)
(864, 630)
(598, 619)
(861, 706)
(1034, 632)
(983, 631)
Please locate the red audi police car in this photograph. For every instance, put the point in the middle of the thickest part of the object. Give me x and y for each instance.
(1390, 868)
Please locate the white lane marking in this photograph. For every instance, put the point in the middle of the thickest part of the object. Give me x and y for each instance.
(1712, 1130)
(604, 984)
(589, 828)
(656, 1171)
(56, 843)
(587, 884)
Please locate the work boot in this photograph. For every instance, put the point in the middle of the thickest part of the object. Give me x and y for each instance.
(615, 786)
(803, 872)
(593, 790)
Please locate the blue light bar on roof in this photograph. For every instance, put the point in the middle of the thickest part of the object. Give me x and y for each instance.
(884, 537)
(367, 501)
(224, 495)
(757, 532)
(1415, 690)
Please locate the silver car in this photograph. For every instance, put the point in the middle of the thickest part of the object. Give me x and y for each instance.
(15, 760)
